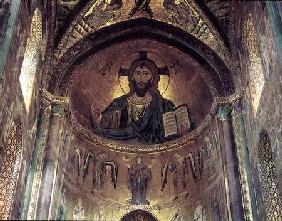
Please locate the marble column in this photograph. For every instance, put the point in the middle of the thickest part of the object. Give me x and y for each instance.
(239, 114)
(50, 162)
(34, 174)
(232, 165)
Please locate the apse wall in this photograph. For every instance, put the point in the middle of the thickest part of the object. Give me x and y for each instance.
(222, 59)
(194, 186)
(185, 175)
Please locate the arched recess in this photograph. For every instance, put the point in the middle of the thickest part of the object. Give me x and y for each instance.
(268, 178)
(142, 28)
(137, 215)
(31, 58)
(10, 169)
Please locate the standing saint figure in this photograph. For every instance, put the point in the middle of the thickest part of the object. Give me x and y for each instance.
(139, 175)
(138, 114)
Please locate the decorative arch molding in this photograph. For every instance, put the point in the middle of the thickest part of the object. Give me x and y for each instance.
(219, 75)
(268, 177)
(187, 15)
(10, 169)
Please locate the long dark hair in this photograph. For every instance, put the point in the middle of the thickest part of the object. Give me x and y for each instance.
(148, 64)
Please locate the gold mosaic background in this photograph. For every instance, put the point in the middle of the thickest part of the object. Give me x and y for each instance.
(97, 83)
(206, 193)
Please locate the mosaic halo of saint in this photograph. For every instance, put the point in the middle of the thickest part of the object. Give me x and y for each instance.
(142, 114)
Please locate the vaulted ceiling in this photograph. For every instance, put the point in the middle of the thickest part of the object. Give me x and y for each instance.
(78, 25)
(81, 29)
(207, 20)
(219, 12)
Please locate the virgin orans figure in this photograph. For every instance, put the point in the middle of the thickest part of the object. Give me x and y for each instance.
(138, 114)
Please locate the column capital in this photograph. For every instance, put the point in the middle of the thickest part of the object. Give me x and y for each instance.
(58, 110)
(45, 104)
(229, 100)
(233, 101)
(56, 104)
(224, 112)
(237, 106)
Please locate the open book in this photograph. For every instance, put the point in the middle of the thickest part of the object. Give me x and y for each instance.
(176, 121)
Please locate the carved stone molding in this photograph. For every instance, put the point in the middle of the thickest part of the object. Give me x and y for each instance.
(229, 100)
(232, 102)
(224, 112)
(53, 103)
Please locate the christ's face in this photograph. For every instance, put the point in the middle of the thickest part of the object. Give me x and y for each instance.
(142, 79)
(142, 75)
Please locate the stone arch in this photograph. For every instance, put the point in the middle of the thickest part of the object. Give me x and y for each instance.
(268, 178)
(137, 215)
(10, 169)
(31, 58)
(143, 28)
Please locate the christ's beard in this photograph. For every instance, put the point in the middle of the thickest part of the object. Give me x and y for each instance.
(141, 88)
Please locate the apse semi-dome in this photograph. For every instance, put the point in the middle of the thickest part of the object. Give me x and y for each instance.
(101, 78)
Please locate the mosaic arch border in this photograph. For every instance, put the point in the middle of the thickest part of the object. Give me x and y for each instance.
(80, 25)
(220, 77)
(61, 78)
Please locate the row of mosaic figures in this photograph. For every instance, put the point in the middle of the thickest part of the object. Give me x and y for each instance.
(102, 165)
(177, 168)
